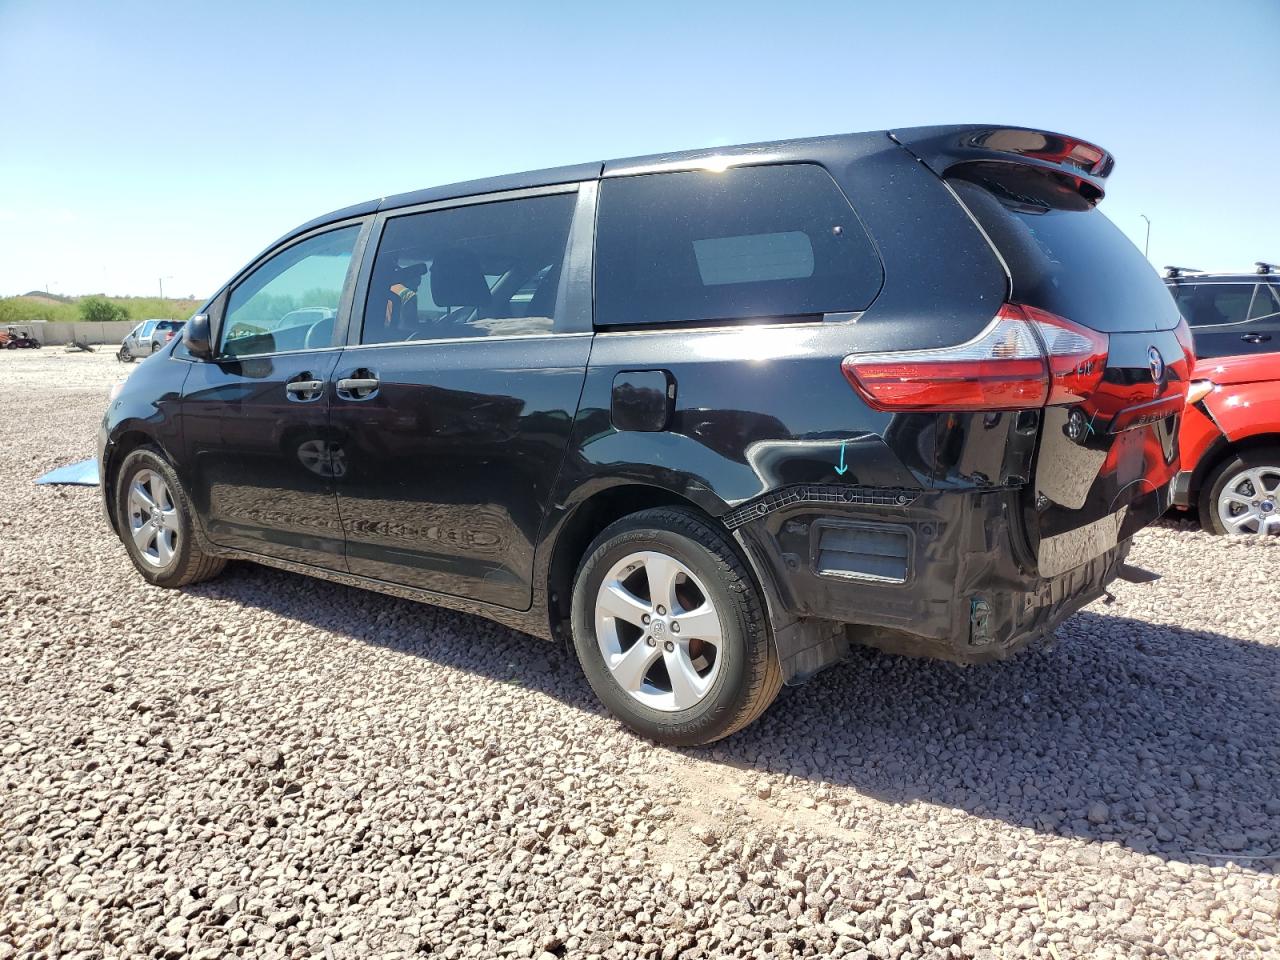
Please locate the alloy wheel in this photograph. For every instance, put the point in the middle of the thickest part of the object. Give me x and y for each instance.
(658, 631)
(154, 524)
(1250, 502)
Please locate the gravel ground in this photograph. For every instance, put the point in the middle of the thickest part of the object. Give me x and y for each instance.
(270, 766)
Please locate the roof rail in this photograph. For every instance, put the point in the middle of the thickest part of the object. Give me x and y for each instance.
(1172, 272)
(1264, 267)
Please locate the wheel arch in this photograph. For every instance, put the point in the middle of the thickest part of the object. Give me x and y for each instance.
(584, 523)
(116, 451)
(1221, 451)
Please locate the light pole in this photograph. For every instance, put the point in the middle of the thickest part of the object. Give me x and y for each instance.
(162, 280)
(1146, 244)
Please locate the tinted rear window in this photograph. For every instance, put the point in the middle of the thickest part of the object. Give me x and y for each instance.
(746, 243)
(1070, 260)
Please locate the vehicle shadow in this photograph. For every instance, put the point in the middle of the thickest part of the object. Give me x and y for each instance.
(1153, 736)
(1166, 735)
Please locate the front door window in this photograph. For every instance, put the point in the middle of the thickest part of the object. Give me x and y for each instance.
(291, 301)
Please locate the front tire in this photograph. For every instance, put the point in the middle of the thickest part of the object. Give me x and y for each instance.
(1242, 495)
(156, 523)
(670, 629)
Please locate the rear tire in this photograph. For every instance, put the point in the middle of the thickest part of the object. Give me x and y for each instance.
(1241, 496)
(679, 683)
(156, 524)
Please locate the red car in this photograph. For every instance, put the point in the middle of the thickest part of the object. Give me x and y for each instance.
(1230, 445)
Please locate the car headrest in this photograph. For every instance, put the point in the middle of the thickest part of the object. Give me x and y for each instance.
(457, 279)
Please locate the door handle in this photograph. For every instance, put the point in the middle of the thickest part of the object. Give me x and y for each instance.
(303, 388)
(361, 385)
(1255, 337)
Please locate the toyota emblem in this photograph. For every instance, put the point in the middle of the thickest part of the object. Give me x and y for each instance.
(1157, 365)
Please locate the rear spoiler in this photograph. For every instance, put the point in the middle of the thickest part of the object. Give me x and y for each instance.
(1082, 166)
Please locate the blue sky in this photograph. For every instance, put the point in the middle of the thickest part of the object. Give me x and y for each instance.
(141, 140)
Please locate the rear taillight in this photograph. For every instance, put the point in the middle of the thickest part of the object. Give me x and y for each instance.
(1025, 358)
(1077, 356)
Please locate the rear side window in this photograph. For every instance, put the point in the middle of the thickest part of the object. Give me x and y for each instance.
(746, 243)
(492, 269)
(1214, 304)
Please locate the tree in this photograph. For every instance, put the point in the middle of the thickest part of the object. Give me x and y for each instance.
(98, 310)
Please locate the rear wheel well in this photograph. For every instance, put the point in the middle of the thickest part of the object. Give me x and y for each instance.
(583, 526)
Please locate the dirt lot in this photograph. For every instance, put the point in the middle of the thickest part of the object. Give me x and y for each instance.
(268, 766)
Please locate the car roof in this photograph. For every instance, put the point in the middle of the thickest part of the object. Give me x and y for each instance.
(777, 151)
(810, 149)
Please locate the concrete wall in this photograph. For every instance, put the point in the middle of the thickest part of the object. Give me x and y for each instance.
(56, 334)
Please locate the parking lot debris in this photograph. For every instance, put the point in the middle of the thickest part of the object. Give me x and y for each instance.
(82, 473)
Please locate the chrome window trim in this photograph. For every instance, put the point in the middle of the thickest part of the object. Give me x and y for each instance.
(454, 340)
(843, 317)
(279, 353)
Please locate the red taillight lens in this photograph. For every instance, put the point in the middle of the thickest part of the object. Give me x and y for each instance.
(1077, 356)
(1025, 358)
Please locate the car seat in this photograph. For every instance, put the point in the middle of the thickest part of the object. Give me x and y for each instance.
(458, 284)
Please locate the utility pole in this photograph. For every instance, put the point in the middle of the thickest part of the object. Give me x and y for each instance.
(1146, 245)
(162, 280)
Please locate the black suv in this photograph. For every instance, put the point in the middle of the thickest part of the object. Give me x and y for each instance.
(708, 416)
(1232, 314)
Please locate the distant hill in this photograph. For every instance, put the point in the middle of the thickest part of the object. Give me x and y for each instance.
(38, 306)
(50, 297)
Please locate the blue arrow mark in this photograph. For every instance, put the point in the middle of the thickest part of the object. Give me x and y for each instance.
(840, 470)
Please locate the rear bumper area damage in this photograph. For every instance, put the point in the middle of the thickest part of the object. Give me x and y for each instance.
(943, 574)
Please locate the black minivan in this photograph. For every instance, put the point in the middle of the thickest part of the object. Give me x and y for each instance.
(710, 416)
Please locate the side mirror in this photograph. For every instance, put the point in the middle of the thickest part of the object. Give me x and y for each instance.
(196, 335)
